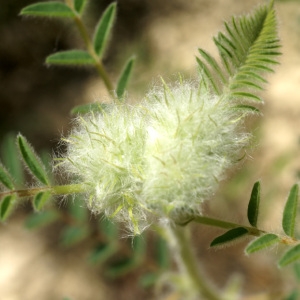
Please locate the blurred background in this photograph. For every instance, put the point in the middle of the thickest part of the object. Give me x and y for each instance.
(36, 100)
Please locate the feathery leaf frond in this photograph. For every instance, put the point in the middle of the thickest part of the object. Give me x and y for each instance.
(248, 48)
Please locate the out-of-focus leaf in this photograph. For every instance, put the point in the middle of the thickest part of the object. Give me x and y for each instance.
(6, 206)
(48, 9)
(41, 219)
(297, 271)
(102, 252)
(262, 242)
(78, 209)
(87, 108)
(229, 236)
(149, 279)
(32, 160)
(124, 78)
(109, 228)
(79, 5)
(290, 211)
(292, 255)
(40, 200)
(253, 207)
(73, 235)
(162, 254)
(125, 265)
(103, 29)
(293, 296)
(70, 57)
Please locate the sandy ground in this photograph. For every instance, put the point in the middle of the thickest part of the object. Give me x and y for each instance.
(31, 269)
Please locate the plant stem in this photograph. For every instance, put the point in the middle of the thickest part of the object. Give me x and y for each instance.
(187, 259)
(98, 63)
(251, 230)
(54, 190)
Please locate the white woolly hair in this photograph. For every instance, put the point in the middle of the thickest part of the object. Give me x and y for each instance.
(193, 138)
(164, 156)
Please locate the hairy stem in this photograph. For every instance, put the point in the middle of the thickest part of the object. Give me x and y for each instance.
(54, 190)
(251, 230)
(187, 260)
(98, 63)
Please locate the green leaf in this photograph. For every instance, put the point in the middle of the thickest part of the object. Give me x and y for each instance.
(124, 77)
(290, 256)
(247, 108)
(79, 5)
(11, 159)
(48, 9)
(247, 48)
(229, 236)
(87, 108)
(294, 295)
(253, 207)
(5, 178)
(6, 206)
(32, 160)
(162, 254)
(78, 209)
(73, 235)
(297, 271)
(102, 252)
(290, 211)
(70, 57)
(262, 242)
(103, 29)
(41, 219)
(40, 200)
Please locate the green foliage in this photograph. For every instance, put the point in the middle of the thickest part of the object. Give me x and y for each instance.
(290, 211)
(290, 256)
(79, 5)
(103, 29)
(32, 161)
(71, 57)
(262, 242)
(40, 200)
(10, 155)
(6, 206)
(73, 235)
(253, 207)
(90, 107)
(124, 77)
(49, 9)
(248, 48)
(41, 219)
(5, 178)
(229, 236)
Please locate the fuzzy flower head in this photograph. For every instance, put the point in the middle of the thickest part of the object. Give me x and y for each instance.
(165, 156)
(160, 158)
